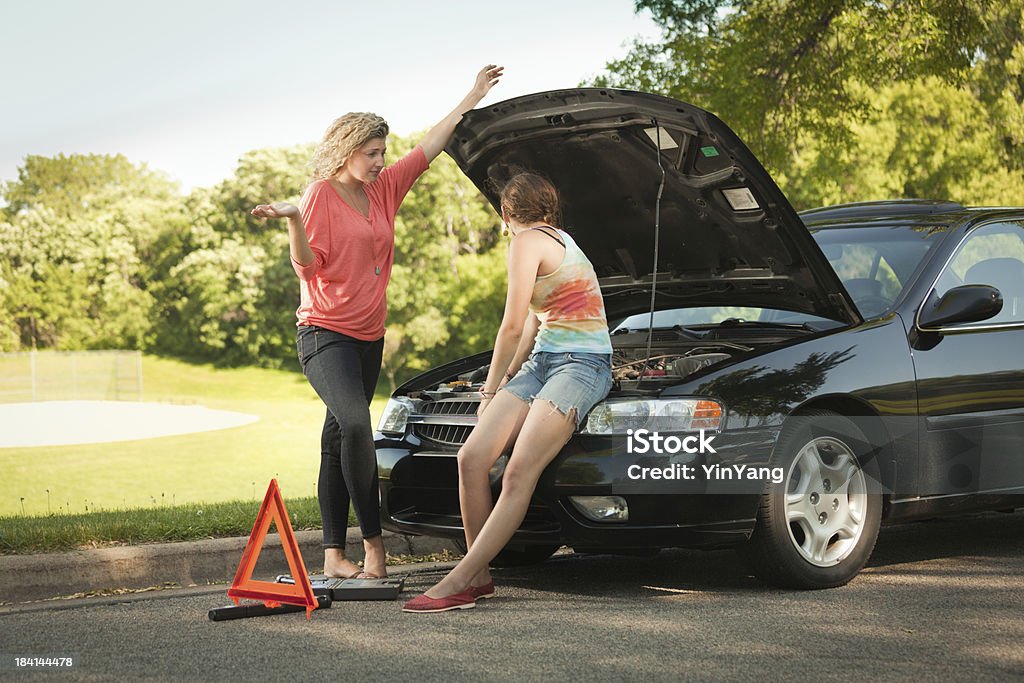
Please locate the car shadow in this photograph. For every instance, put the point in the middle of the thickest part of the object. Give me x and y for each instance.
(680, 571)
(987, 534)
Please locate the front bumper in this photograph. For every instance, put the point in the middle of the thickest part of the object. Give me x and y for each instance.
(419, 495)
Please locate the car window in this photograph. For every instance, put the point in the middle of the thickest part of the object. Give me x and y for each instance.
(864, 262)
(992, 255)
(874, 264)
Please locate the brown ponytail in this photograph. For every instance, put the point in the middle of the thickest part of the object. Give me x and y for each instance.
(530, 198)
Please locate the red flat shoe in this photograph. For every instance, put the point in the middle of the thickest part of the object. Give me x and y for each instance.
(424, 604)
(482, 592)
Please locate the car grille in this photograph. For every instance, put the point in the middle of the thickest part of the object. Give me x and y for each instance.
(455, 406)
(439, 433)
(444, 435)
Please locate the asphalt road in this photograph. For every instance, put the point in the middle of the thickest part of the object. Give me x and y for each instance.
(939, 599)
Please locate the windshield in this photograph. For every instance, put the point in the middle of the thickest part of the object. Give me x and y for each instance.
(874, 263)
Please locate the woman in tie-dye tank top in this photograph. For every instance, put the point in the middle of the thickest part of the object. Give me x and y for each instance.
(551, 365)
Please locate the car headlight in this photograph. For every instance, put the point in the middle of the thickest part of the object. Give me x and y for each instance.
(602, 508)
(655, 414)
(396, 415)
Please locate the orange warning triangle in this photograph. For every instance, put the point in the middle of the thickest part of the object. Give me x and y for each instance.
(273, 594)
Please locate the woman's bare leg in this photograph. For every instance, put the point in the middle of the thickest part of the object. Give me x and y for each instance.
(375, 559)
(494, 433)
(336, 566)
(543, 434)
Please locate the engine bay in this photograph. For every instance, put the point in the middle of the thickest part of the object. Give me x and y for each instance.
(674, 356)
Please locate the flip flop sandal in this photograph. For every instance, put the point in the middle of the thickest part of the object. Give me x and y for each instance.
(366, 575)
(353, 575)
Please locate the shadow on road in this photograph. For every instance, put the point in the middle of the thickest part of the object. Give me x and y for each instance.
(969, 538)
(990, 534)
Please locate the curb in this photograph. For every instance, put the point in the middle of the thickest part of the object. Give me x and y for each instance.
(37, 577)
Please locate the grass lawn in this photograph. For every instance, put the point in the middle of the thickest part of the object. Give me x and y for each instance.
(54, 533)
(208, 467)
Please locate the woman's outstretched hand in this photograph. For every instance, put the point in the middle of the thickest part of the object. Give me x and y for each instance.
(437, 137)
(275, 210)
(298, 241)
(486, 79)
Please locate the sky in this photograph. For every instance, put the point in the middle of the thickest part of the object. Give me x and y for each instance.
(187, 87)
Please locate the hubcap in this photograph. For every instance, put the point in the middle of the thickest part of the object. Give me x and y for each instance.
(826, 501)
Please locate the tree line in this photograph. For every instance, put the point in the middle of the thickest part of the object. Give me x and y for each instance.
(842, 100)
(852, 100)
(100, 253)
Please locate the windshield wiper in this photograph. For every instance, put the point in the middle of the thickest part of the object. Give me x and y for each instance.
(741, 322)
(692, 334)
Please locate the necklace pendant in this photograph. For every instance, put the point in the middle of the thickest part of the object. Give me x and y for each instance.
(376, 270)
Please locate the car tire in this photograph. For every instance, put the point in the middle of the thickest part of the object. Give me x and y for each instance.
(818, 527)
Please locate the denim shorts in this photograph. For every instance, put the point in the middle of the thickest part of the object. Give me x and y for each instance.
(572, 381)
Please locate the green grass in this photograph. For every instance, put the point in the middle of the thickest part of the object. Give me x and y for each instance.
(209, 467)
(159, 524)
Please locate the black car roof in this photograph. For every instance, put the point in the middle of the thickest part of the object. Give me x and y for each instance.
(908, 211)
(898, 208)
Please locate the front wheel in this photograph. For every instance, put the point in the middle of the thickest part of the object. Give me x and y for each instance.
(818, 527)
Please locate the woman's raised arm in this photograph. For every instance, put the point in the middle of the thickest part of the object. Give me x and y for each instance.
(437, 137)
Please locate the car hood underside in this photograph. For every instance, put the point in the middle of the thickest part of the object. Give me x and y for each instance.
(728, 236)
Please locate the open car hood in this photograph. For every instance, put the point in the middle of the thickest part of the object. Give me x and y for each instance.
(728, 236)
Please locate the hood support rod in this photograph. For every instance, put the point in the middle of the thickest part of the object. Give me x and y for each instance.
(657, 243)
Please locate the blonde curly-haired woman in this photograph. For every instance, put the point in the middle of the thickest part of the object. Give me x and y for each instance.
(342, 239)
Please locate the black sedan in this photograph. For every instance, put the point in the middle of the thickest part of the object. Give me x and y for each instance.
(783, 382)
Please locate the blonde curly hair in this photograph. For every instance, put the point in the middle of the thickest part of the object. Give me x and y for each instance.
(344, 136)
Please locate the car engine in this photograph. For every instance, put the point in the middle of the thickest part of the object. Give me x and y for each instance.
(632, 369)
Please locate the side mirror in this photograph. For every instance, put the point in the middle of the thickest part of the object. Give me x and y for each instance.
(963, 304)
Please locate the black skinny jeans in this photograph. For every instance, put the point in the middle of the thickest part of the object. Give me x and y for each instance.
(343, 371)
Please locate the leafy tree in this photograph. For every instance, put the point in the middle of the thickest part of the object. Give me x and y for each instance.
(998, 77)
(921, 139)
(76, 234)
(776, 69)
(91, 187)
(475, 301)
(226, 288)
(273, 174)
(444, 231)
(805, 83)
(98, 253)
(217, 315)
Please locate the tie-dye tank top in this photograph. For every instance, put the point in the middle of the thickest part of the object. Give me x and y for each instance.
(569, 306)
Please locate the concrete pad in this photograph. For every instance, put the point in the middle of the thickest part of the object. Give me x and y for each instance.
(62, 423)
